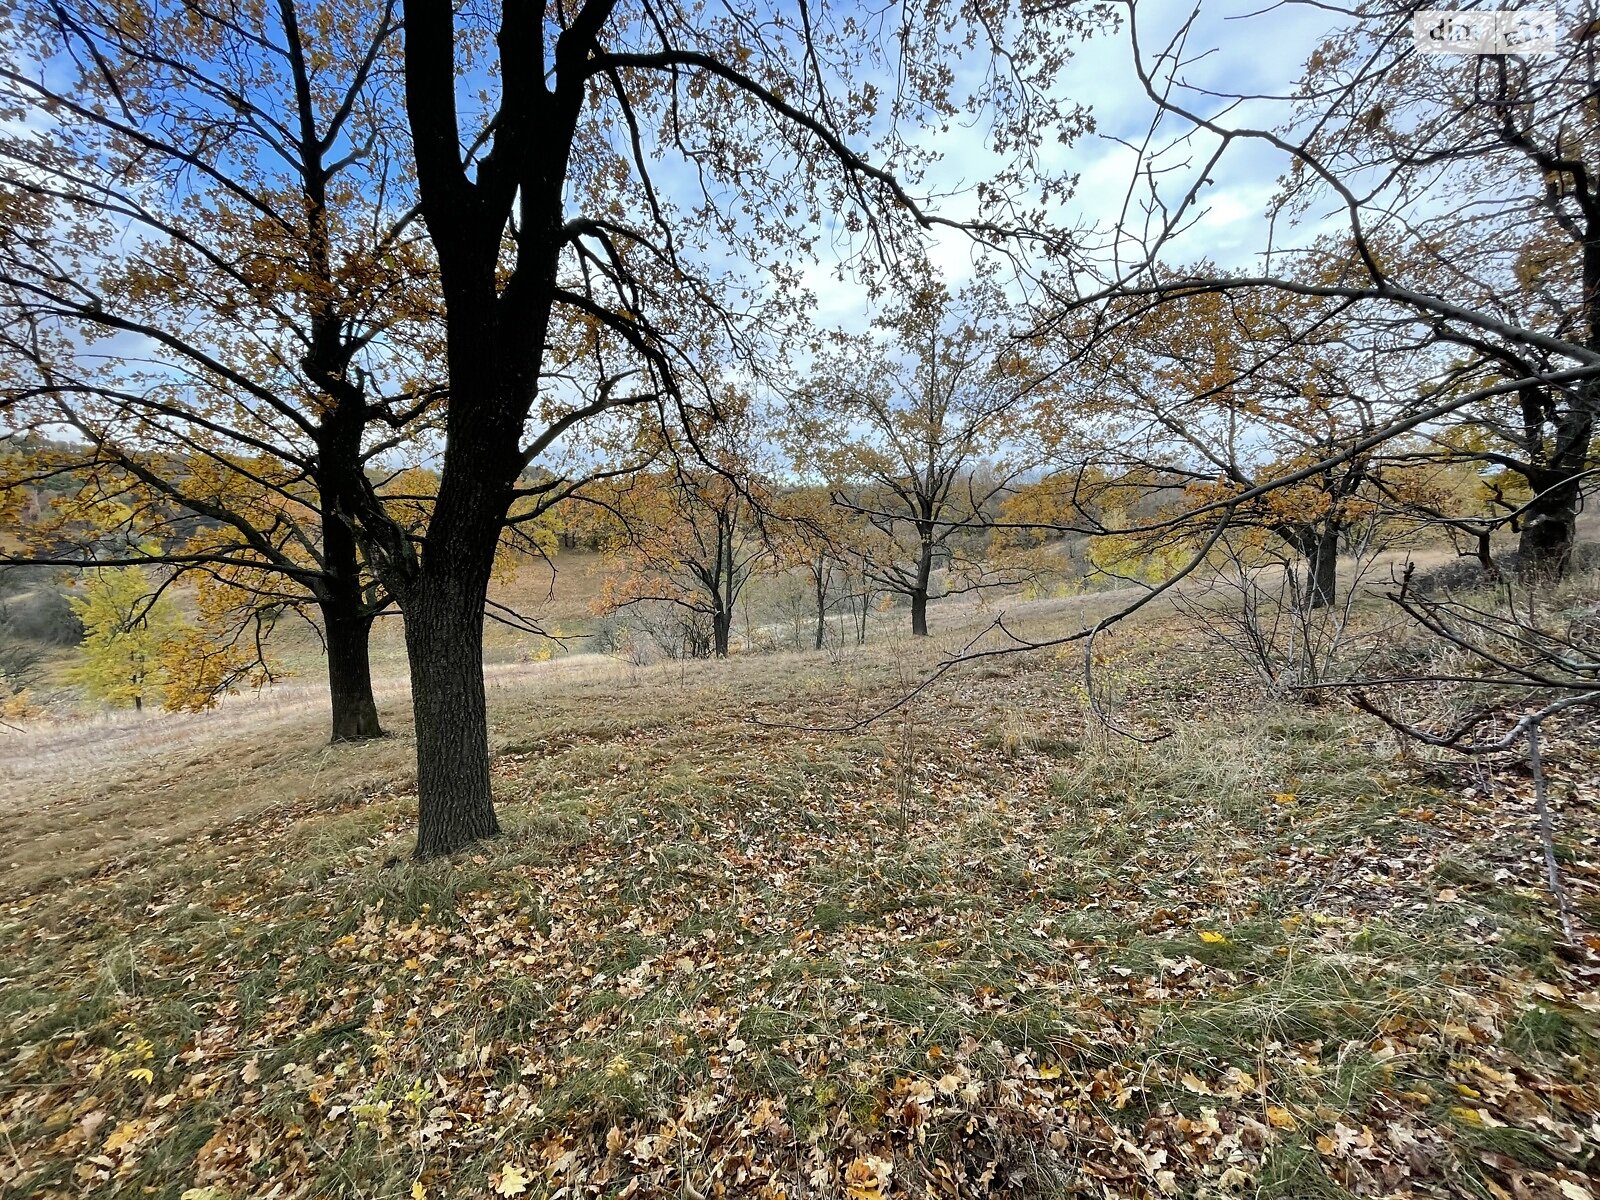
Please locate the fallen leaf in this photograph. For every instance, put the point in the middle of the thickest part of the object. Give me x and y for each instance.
(1279, 1117)
(511, 1181)
(867, 1177)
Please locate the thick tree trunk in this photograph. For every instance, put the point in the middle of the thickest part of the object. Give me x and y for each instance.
(1559, 441)
(1322, 568)
(346, 619)
(721, 629)
(919, 593)
(444, 642)
(355, 712)
(919, 613)
(1549, 527)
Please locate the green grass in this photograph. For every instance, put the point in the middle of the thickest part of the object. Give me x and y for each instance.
(713, 940)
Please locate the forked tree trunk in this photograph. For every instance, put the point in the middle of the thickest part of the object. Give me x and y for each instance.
(721, 629)
(1561, 441)
(444, 643)
(354, 711)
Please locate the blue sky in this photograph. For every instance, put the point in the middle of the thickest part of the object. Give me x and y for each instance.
(1251, 51)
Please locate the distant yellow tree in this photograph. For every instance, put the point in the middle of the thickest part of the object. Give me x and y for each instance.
(137, 646)
(125, 628)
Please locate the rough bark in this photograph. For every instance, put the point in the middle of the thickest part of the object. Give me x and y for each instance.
(1544, 548)
(346, 616)
(919, 592)
(444, 643)
(919, 613)
(354, 711)
(1322, 567)
(1549, 524)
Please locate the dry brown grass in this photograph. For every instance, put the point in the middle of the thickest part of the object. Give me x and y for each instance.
(1018, 954)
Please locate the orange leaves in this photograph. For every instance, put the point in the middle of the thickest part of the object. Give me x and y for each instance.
(1281, 1118)
(867, 1178)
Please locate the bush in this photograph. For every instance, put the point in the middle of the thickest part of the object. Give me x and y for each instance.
(42, 616)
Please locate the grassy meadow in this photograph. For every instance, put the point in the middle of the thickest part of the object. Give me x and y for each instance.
(736, 943)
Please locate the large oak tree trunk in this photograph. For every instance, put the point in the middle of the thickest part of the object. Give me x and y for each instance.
(1549, 528)
(919, 613)
(346, 616)
(444, 642)
(919, 593)
(1322, 568)
(355, 712)
(1559, 441)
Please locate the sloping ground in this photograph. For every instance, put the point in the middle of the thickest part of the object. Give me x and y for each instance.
(978, 950)
(82, 794)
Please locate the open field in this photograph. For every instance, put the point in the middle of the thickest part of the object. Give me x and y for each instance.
(982, 947)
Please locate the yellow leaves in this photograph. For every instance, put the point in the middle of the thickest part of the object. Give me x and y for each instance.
(1285, 798)
(418, 1192)
(1234, 1084)
(1280, 1118)
(124, 1135)
(511, 1181)
(136, 645)
(143, 1074)
(867, 1178)
(1342, 1139)
(1212, 938)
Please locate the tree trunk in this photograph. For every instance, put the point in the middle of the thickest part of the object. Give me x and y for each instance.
(1549, 526)
(721, 627)
(919, 613)
(821, 581)
(919, 591)
(444, 642)
(1322, 567)
(1559, 442)
(355, 712)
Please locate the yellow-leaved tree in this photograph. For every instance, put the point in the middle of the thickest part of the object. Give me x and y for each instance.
(137, 646)
(124, 629)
